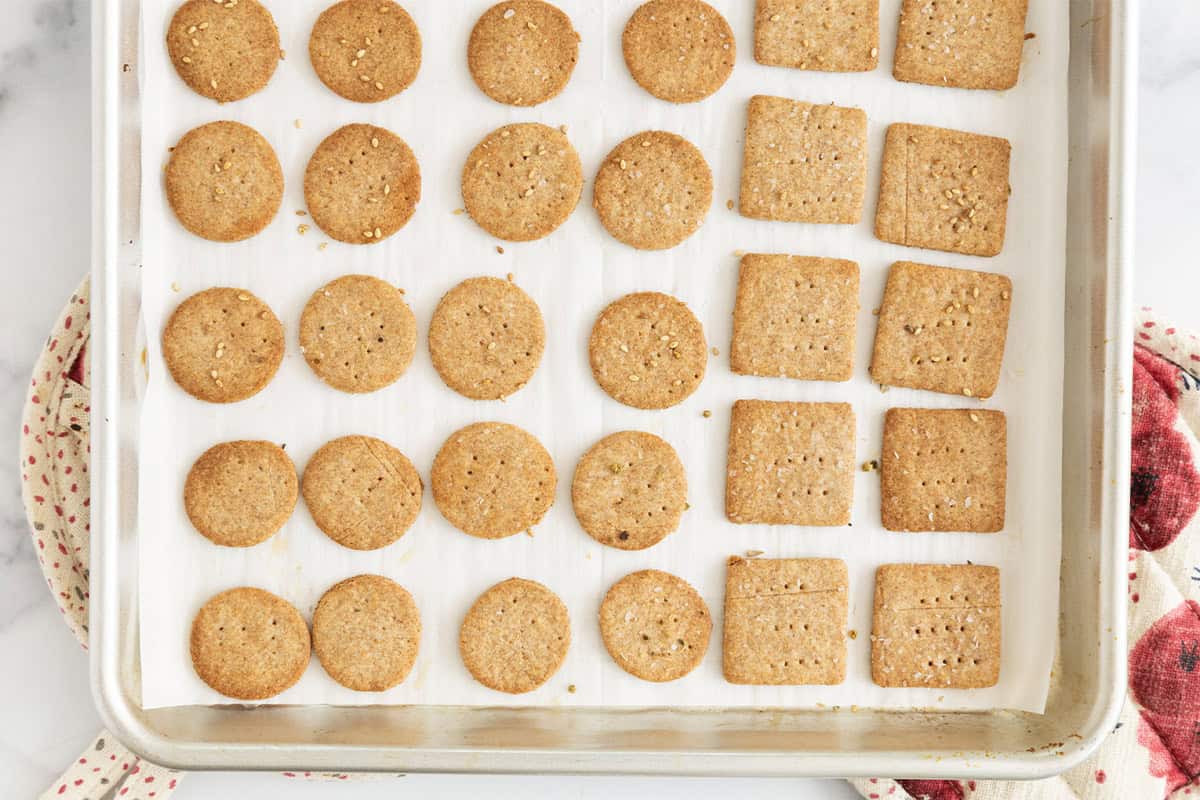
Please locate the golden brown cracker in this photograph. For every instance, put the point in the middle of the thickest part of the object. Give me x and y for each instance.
(790, 463)
(366, 631)
(365, 50)
(943, 470)
(679, 50)
(241, 493)
(942, 329)
(224, 51)
(785, 621)
(655, 625)
(973, 45)
(824, 35)
(515, 637)
(803, 162)
(522, 52)
(936, 625)
(794, 317)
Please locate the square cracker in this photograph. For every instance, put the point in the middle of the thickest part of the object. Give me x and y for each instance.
(943, 190)
(785, 621)
(942, 329)
(975, 45)
(943, 470)
(824, 35)
(803, 162)
(790, 463)
(936, 625)
(795, 317)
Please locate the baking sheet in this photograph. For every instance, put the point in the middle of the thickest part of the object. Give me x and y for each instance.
(572, 274)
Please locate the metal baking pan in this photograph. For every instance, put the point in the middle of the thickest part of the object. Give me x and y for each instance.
(1089, 680)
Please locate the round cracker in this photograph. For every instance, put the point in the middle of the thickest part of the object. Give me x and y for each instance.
(653, 190)
(647, 350)
(366, 631)
(522, 52)
(362, 184)
(248, 644)
(241, 493)
(679, 50)
(522, 181)
(493, 480)
(362, 492)
(630, 490)
(365, 50)
(224, 51)
(515, 637)
(358, 334)
(655, 625)
(223, 181)
(223, 345)
(486, 338)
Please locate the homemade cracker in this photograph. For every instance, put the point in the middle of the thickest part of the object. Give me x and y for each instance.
(358, 334)
(486, 338)
(366, 631)
(365, 50)
(522, 181)
(362, 492)
(679, 50)
(224, 51)
(824, 35)
(936, 625)
(515, 637)
(973, 45)
(240, 493)
(803, 162)
(630, 490)
(248, 644)
(943, 190)
(795, 317)
(362, 184)
(522, 52)
(223, 181)
(493, 480)
(647, 350)
(942, 329)
(222, 345)
(785, 621)
(655, 625)
(943, 470)
(790, 463)
(653, 190)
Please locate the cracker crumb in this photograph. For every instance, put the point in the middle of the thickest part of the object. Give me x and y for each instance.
(458, 212)
(870, 466)
(301, 229)
(499, 249)
(706, 413)
(571, 688)
(853, 634)
(175, 286)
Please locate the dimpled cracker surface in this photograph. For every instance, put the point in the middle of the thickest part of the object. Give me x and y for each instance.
(942, 329)
(629, 490)
(824, 35)
(803, 162)
(223, 181)
(653, 190)
(515, 637)
(365, 50)
(943, 190)
(679, 50)
(655, 625)
(785, 621)
(222, 345)
(522, 181)
(357, 333)
(224, 51)
(493, 480)
(647, 350)
(970, 45)
(362, 184)
(362, 492)
(790, 463)
(248, 644)
(944, 470)
(794, 317)
(522, 52)
(240, 493)
(936, 625)
(366, 631)
(486, 338)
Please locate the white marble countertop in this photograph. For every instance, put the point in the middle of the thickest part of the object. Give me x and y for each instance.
(44, 228)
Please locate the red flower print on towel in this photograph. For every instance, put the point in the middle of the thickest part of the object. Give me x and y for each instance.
(1164, 679)
(934, 790)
